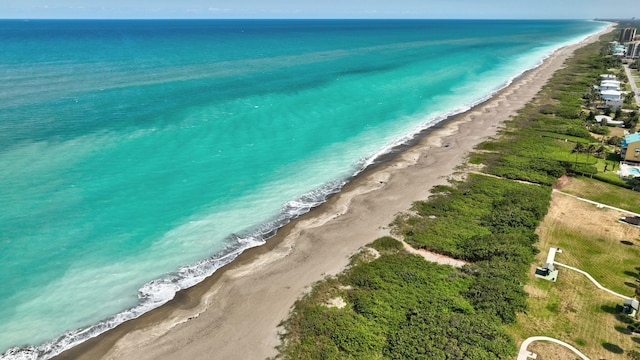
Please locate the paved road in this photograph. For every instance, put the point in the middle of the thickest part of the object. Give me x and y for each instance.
(524, 354)
(632, 82)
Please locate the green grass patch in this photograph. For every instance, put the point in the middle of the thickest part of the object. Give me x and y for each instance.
(386, 244)
(604, 193)
(591, 252)
(565, 138)
(573, 308)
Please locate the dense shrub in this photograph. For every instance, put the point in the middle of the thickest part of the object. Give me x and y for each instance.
(400, 307)
(578, 131)
(600, 130)
(386, 243)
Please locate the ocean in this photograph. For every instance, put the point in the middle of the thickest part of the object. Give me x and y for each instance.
(137, 157)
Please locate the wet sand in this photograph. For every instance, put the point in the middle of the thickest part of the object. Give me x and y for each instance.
(235, 313)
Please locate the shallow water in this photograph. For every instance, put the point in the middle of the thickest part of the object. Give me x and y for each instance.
(136, 157)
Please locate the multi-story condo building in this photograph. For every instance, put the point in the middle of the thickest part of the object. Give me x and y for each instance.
(627, 34)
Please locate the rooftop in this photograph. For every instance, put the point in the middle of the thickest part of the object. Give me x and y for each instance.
(610, 92)
(608, 120)
(632, 302)
(631, 138)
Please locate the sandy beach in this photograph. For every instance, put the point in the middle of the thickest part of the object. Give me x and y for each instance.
(235, 313)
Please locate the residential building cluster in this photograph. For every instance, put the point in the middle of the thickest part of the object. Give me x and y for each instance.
(610, 93)
(628, 45)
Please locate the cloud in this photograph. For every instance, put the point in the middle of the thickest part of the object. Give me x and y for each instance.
(218, 10)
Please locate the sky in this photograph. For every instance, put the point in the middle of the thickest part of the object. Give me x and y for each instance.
(326, 9)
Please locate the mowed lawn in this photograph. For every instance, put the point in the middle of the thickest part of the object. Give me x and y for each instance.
(573, 309)
(604, 193)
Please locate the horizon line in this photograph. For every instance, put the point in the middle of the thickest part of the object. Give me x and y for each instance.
(306, 19)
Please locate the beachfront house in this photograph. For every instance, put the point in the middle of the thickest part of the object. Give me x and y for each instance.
(631, 148)
(609, 85)
(612, 99)
(607, 120)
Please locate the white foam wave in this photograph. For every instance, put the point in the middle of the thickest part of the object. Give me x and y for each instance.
(151, 295)
(160, 291)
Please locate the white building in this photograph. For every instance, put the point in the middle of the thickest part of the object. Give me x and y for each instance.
(612, 98)
(608, 77)
(607, 120)
(609, 85)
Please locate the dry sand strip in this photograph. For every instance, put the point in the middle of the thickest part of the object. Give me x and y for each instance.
(235, 313)
(433, 257)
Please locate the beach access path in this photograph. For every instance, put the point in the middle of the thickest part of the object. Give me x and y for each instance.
(236, 312)
(523, 354)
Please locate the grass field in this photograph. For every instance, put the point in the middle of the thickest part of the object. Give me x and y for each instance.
(573, 309)
(604, 193)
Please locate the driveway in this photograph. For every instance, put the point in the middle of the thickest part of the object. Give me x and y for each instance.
(632, 82)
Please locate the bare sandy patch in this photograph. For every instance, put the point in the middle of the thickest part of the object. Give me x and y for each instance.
(336, 302)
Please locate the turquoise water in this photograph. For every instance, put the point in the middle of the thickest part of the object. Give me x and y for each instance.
(136, 157)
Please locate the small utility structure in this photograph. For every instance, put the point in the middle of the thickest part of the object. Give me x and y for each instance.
(548, 271)
(630, 307)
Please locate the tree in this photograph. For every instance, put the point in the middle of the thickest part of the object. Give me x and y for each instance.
(578, 149)
(614, 140)
(618, 113)
(590, 149)
(593, 97)
(631, 120)
(628, 98)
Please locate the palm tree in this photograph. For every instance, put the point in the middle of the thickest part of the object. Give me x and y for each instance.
(590, 149)
(601, 151)
(578, 149)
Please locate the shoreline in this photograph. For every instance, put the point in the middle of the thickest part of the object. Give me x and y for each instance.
(237, 310)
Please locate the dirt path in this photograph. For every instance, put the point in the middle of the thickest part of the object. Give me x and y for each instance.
(434, 257)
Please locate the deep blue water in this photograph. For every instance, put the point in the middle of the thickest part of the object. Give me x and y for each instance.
(136, 157)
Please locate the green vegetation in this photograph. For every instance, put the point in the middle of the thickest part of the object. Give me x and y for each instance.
(400, 306)
(555, 134)
(386, 243)
(603, 193)
(478, 220)
(573, 309)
